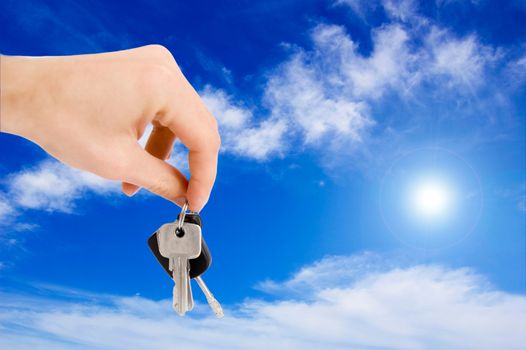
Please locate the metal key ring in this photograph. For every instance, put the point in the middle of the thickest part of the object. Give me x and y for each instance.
(182, 216)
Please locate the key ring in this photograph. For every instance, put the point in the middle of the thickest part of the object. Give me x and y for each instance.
(182, 215)
(179, 232)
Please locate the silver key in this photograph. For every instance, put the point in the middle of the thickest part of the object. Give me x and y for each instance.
(190, 300)
(214, 304)
(179, 242)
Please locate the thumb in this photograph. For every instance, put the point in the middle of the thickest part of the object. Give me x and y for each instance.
(157, 176)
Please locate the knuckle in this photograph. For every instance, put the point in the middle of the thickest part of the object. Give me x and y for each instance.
(214, 124)
(162, 55)
(159, 51)
(215, 137)
(215, 142)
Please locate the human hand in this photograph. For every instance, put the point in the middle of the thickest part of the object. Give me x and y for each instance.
(89, 111)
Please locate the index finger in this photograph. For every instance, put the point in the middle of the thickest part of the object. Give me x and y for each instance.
(189, 119)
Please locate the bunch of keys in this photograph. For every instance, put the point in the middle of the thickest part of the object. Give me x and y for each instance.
(181, 250)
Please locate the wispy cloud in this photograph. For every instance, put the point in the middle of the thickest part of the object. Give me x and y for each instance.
(516, 195)
(359, 7)
(365, 305)
(515, 71)
(6, 209)
(52, 186)
(463, 61)
(403, 10)
(300, 94)
(329, 272)
(396, 65)
(328, 96)
(48, 186)
(241, 134)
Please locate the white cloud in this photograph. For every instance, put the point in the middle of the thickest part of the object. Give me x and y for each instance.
(328, 95)
(404, 10)
(6, 210)
(461, 60)
(241, 134)
(299, 95)
(52, 186)
(329, 272)
(391, 64)
(396, 65)
(262, 141)
(362, 305)
(515, 72)
(8, 215)
(360, 7)
(229, 116)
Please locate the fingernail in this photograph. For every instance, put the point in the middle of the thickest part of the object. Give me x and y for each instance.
(196, 209)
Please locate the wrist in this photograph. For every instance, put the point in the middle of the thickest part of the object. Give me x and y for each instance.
(18, 97)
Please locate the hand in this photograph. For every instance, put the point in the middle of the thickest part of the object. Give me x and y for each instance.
(89, 111)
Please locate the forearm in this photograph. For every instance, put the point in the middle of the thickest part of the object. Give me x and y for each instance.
(20, 98)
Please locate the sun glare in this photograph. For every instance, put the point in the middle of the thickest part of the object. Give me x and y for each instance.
(431, 198)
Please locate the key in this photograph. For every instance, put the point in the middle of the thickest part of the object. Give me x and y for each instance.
(197, 266)
(180, 242)
(214, 304)
(190, 299)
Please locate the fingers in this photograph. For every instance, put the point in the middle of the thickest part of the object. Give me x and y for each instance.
(157, 176)
(203, 170)
(129, 189)
(196, 127)
(160, 144)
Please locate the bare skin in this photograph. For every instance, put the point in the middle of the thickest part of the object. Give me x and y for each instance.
(88, 111)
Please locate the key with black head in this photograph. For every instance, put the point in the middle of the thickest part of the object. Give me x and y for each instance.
(197, 266)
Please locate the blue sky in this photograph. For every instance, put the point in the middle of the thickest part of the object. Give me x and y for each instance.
(332, 114)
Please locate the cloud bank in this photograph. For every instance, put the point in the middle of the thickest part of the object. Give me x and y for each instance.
(240, 133)
(48, 186)
(360, 304)
(325, 96)
(52, 186)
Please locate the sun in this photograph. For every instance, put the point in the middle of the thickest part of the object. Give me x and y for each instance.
(431, 198)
